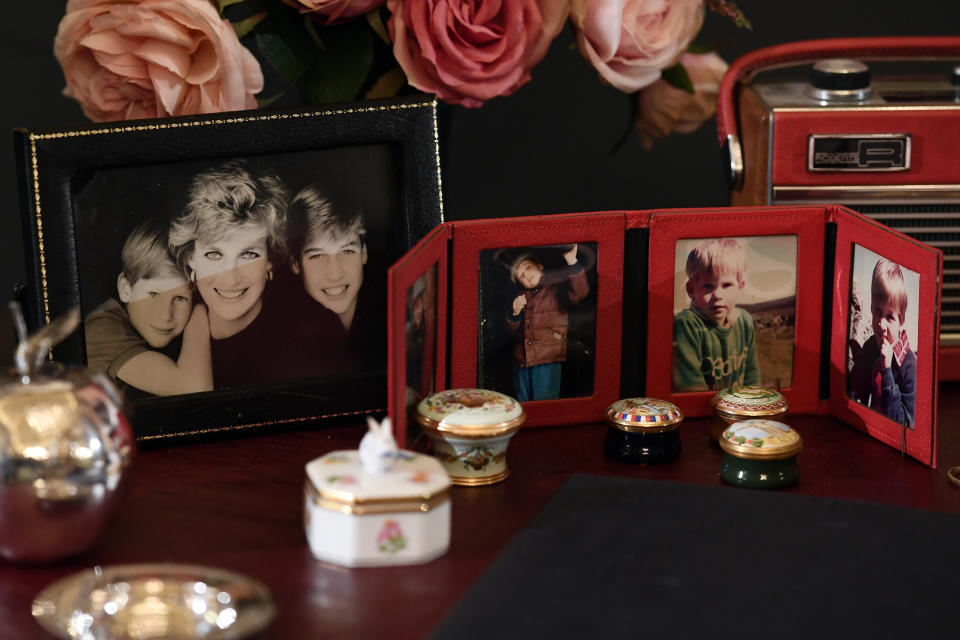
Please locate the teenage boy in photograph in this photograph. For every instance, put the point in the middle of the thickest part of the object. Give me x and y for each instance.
(714, 340)
(124, 338)
(884, 374)
(539, 319)
(328, 251)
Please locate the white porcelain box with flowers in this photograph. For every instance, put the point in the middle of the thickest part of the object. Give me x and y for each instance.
(357, 518)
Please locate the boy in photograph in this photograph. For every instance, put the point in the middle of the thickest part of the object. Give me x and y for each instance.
(539, 319)
(884, 374)
(124, 338)
(714, 341)
(328, 251)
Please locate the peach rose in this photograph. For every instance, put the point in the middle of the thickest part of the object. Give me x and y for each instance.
(664, 109)
(469, 52)
(630, 41)
(153, 58)
(332, 11)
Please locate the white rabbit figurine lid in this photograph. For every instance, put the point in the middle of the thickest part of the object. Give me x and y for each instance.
(342, 477)
(378, 448)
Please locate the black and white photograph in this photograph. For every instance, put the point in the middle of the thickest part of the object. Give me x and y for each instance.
(734, 312)
(231, 272)
(203, 276)
(882, 347)
(538, 321)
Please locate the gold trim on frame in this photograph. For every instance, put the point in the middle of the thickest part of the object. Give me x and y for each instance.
(266, 423)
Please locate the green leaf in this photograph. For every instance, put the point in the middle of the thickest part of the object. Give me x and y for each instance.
(709, 47)
(677, 76)
(342, 69)
(311, 26)
(631, 124)
(263, 103)
(285, 45)
(387, 85)
(732, 11)
(244, 27)
(376, 23)
(223, 4)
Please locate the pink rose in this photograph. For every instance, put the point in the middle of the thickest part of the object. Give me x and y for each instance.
(470, 51)
(665, 109)
(153, 58)
(331, 11)
(630, 41)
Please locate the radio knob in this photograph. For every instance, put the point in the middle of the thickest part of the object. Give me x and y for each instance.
(839, 79)
(955, 77)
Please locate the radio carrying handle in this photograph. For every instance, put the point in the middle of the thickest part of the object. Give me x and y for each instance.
(797, 53)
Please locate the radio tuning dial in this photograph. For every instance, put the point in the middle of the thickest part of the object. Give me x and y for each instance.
(839, 80)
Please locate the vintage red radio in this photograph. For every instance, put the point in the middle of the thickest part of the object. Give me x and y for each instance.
(886, 146)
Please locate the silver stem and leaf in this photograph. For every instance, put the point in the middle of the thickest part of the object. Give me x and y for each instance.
(32, 349)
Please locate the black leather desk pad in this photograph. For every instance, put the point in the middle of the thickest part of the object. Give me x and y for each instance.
(612, 557)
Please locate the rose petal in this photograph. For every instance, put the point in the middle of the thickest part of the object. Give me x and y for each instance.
(175, 57)
(630, 41)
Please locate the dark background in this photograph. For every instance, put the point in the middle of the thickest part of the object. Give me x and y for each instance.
(546, 149)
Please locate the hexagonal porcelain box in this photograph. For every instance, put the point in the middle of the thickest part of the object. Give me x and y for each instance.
(360, 519)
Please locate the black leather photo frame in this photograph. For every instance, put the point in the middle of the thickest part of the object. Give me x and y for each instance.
(84, 189)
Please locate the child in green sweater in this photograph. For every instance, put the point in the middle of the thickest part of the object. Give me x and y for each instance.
(714, 343)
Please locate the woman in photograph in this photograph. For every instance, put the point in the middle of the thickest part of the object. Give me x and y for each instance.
(328, 253)
(229, 241)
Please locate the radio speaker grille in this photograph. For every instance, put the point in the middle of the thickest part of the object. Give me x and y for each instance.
(937, 225)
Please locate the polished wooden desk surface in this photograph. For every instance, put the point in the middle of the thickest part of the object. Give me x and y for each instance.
(236, 504)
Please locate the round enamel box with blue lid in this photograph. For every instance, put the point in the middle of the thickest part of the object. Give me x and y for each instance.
(643, 430)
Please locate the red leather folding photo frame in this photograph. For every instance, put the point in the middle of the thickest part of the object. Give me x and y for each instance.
(640, 285)
(667, 228)
(916, 435)
(419, 346)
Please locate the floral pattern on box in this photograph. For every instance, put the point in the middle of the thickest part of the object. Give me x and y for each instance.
(486, 405)
(413, 476)
(476, 458)
(391, 538)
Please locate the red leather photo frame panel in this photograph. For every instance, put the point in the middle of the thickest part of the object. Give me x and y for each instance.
(669, 227)
(429, 253)
(606, 232)
(855, 230)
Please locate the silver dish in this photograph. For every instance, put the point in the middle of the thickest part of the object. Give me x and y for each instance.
(144, 601)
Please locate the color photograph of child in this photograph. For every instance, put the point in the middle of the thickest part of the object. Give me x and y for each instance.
(538, 321)
(420, 330)
(734, 312)
(882, 353)
(211, 275)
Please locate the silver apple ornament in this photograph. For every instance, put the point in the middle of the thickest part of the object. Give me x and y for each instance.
(65, 446)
